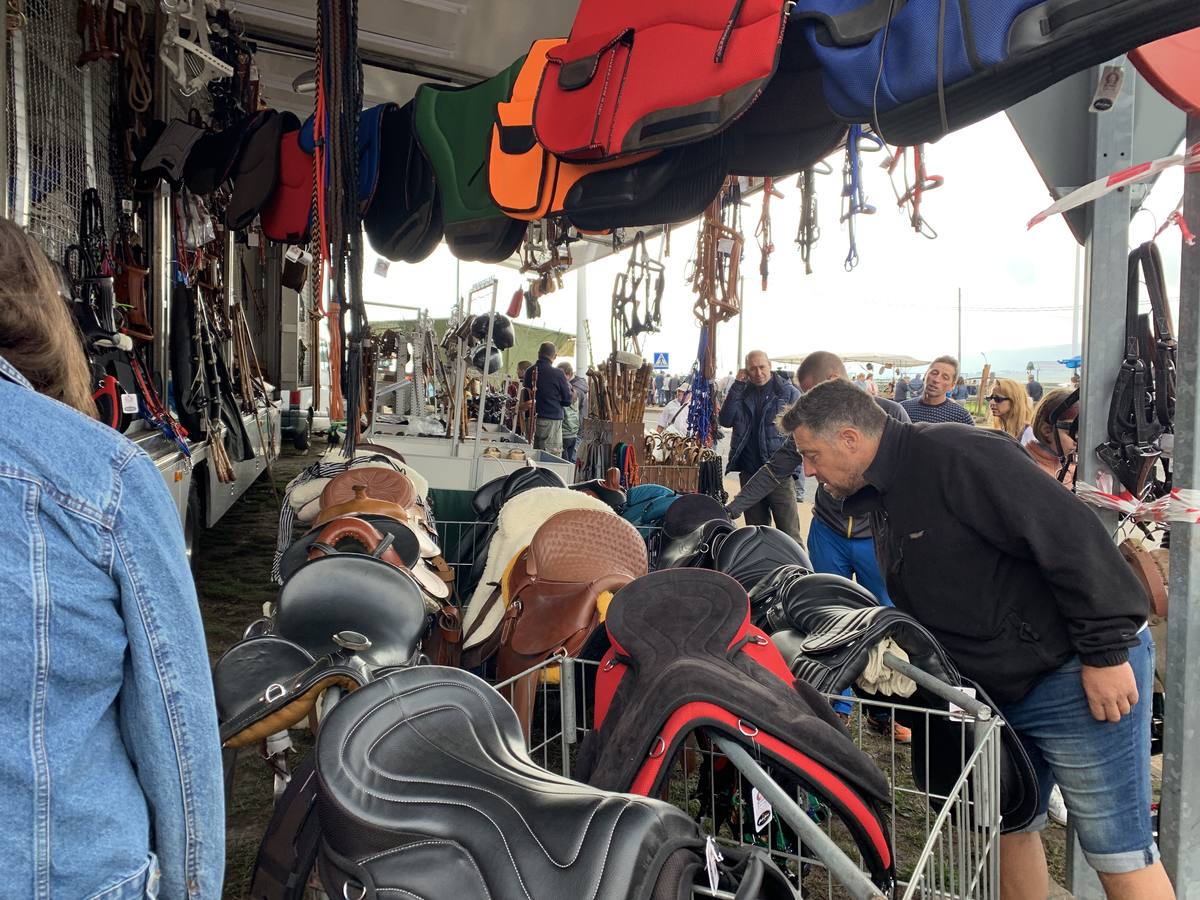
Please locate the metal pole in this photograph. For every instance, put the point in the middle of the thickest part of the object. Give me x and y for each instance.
(582, 338)
(1181, 765)
(939, 688)
(841, 868)
(741, 321)
(5, 99)
(959, 357)
(1077, 301)
(483, 388)
(1106, 261)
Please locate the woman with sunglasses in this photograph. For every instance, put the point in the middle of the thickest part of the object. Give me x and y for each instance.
(1011, 410)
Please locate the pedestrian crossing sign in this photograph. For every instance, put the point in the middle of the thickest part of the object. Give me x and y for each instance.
(660, 361)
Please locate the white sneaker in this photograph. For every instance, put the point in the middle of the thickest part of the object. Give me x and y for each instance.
(1057, 810)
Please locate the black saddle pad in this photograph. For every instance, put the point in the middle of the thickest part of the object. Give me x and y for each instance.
(404, 220)
(425, 789)
(674, 186)
(353, 593)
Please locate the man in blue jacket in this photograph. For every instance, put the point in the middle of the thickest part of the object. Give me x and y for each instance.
(755, 401)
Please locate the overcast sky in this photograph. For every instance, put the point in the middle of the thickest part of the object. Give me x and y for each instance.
(1018, 285)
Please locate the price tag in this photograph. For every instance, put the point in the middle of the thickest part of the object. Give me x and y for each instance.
(305, 258)
(725, 245)
(957, 714)
(251, 238)
(127, 206)
(763, 811)
(129, 403)
(118, 6)
(712, 856)
(381, 267)
(293, 253)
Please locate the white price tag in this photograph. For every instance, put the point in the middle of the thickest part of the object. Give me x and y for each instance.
(957, 713)
(129, 403)
(381, 267)
(305, 258)
(293, 253)
(763, 811)
(251, 238)
(712, 856)
(725, 245)
(127, 206)
(118, 6)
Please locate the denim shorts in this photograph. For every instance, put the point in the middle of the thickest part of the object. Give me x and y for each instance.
(1102, 769)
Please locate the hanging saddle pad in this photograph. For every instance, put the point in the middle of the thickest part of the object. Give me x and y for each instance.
(830, 634)
(454, 127)
(404, 219)
(637, 76)
(369, 158)
(673, 186)
(425, 789)
(790, 127)
(684, 656)
(287, 215)
(967, 60)
(525, 179)
(257, 170)
(1172, 65)
(166, 151)
(213, 157)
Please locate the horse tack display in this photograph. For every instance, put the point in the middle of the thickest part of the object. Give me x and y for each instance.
(525, 179)
(453, 125)
(404, 220)
(615, 88)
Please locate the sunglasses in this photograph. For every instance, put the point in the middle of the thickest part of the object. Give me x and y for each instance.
(995, 398)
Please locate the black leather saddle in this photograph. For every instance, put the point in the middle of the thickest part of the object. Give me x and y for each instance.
(690, 529)
(832, 626)
(425, 789)
(796, 583)
(404, 220)
(752, 552)
(599, 488)
(674, 186)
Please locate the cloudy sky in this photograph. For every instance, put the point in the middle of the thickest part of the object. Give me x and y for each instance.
(1017, 285)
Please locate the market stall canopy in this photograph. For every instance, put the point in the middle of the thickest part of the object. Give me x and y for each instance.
(895, 360)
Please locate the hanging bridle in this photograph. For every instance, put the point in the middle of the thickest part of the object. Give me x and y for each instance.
(641, 283)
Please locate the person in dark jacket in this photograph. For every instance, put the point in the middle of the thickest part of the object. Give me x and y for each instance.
(837, 543)
(1022, 585)
(1034, 388)
(901, 389)
(552, 394)
(756, 398)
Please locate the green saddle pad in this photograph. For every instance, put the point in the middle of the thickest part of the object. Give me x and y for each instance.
(454, 126)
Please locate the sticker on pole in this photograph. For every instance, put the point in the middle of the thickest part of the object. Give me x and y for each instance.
(763, 811)
(957, 713)
(661, 361)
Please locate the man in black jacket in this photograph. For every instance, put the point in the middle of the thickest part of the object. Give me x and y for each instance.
(1023, 587)
(552, 393)
(754, 403)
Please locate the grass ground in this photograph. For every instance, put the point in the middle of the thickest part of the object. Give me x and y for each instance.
(233, 579)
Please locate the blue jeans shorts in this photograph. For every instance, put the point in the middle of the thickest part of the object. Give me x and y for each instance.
(1102, 769)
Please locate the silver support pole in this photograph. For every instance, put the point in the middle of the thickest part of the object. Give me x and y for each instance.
(5, 99)
(481, 409)
(841, 868)
(581, 329)
(1180, 822)
(939, 688)
(1106, 261)
(20, 104)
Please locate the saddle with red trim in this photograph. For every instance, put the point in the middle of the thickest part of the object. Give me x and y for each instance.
(615, 86)
(685, 656)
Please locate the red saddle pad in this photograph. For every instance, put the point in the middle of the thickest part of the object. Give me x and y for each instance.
(1172, 65)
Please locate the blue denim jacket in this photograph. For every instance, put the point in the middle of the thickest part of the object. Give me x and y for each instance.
(110, 768)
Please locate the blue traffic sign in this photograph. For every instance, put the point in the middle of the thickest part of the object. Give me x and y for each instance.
(661, 361)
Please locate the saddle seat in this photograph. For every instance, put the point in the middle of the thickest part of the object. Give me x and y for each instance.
(425, 789)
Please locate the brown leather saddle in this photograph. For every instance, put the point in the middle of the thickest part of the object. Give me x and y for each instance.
(575, 557)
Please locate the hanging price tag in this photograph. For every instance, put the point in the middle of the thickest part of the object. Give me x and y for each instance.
(725, 246)
(118, 6)
(251, 238)
(712, 856)
(763, 811)
(129, 404)
(381, 267)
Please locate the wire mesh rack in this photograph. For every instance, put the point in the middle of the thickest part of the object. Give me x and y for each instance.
(58, 124)
(945, 845)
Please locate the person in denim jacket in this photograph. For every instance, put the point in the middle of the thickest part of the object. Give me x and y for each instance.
(110, 769)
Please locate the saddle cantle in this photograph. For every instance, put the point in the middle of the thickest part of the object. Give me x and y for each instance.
(684, 656)
(615, 87)
(425, 789)
(453, 126)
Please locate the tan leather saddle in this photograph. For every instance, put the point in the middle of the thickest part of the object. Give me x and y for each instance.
(575, 557)
(370, 489)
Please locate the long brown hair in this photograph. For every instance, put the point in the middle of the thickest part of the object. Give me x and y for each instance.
(38, 335)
